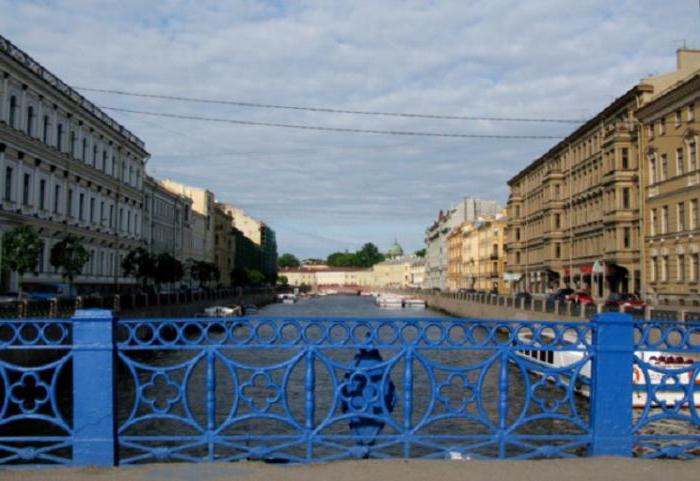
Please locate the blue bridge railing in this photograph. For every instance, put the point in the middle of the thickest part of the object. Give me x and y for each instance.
(94, 390)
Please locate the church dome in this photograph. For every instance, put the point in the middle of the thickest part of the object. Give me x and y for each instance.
(395, 250)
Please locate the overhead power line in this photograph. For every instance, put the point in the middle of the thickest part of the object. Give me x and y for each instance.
(328, 110)
(332, 129)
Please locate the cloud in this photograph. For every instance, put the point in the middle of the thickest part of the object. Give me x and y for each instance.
(327, 191)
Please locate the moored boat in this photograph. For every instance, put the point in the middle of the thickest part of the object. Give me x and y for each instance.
(667, 374)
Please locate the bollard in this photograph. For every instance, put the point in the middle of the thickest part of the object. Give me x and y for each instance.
(116, 303)
(611, 385)
(94, 416)
(53, 307)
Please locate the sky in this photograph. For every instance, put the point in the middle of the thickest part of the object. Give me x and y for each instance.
(327, 191)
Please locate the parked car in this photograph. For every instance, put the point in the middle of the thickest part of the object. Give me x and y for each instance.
(522, 295)
(49, 290)
(630, 302)
(581, 298)
(561, 295)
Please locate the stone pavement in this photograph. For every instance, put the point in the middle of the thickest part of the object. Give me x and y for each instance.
(580, 469)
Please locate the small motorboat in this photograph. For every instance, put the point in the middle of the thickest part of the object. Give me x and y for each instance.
(250, 309)
(222, 311)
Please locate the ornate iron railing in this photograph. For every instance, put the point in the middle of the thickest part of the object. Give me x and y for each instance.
(300, 390)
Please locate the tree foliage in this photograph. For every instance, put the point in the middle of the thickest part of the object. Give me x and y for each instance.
(255, 276)
(140, 264)
(204, 272)
(420, 252)
(288, 260)
(168, 269)
(367, 256)
(21, 248)
(69, 256)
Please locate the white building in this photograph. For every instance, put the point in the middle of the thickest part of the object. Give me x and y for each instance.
(66, 168)
(436, 249)
(165, 219)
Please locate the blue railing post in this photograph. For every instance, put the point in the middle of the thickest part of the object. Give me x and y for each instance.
(93, 388)
(611, 384)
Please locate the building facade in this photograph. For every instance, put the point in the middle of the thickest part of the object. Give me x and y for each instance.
(670, 177)
(67, 168)
(436, 244)
(200, 245)
(575, 212)
(164, 221)
(224, 244)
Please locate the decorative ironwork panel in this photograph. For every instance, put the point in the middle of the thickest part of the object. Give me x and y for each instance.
(287, 389)
(667, 389)
(35, 397)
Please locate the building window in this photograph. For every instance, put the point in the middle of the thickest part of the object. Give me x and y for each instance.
(111, 216)
(695, 267)
(664, 219)
(45, 130)
(627, 237)
(625, 158)
(92, 209)
(30, 121)
(104, 161)
(680, 167)
(517, 234)
(83, 155)
(557, 221)
(42, 194)
(73, 140)
(680, 210)
(517, 257)
(664, 269)
(664, 167)
(102, 212)
(94, 155)
(557, 251)
(81, 206)
(692, 156)
(557, 192)
(677, 118)
(694, 214)
(626, 198)
(56, 198)
(26, 192)
(691, 113)
(652, 222)
(8, 183)
(13, 111)
(652, 270)
(69, 203)
(652, 169)
(650, 131)
(59, 137)
(680, 273)
(662, 126)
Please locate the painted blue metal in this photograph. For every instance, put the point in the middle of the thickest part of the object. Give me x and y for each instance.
(93, 388)
(301, 390)
(611, 386)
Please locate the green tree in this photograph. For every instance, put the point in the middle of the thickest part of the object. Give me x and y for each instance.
(341, 259)
(420, 252)
(283, 281)
(239, 277)
(288, 260)
(140, 264)
(256, 277)
(21, 248)
(204, 272)
(167, 269)
(368, 255)
(70, 256)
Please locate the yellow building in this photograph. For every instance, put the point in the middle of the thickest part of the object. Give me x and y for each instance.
(393, 272)
(670, 176)
(224, 244)
(455, 280)
(574, 213)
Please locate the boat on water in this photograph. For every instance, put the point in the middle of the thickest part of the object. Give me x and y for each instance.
(223, 311)
(667, 363)
(414, 304)
(389, 301)
(250, 309)
(287, 298)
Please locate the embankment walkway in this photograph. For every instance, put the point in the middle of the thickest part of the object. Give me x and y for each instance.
(581, 469)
